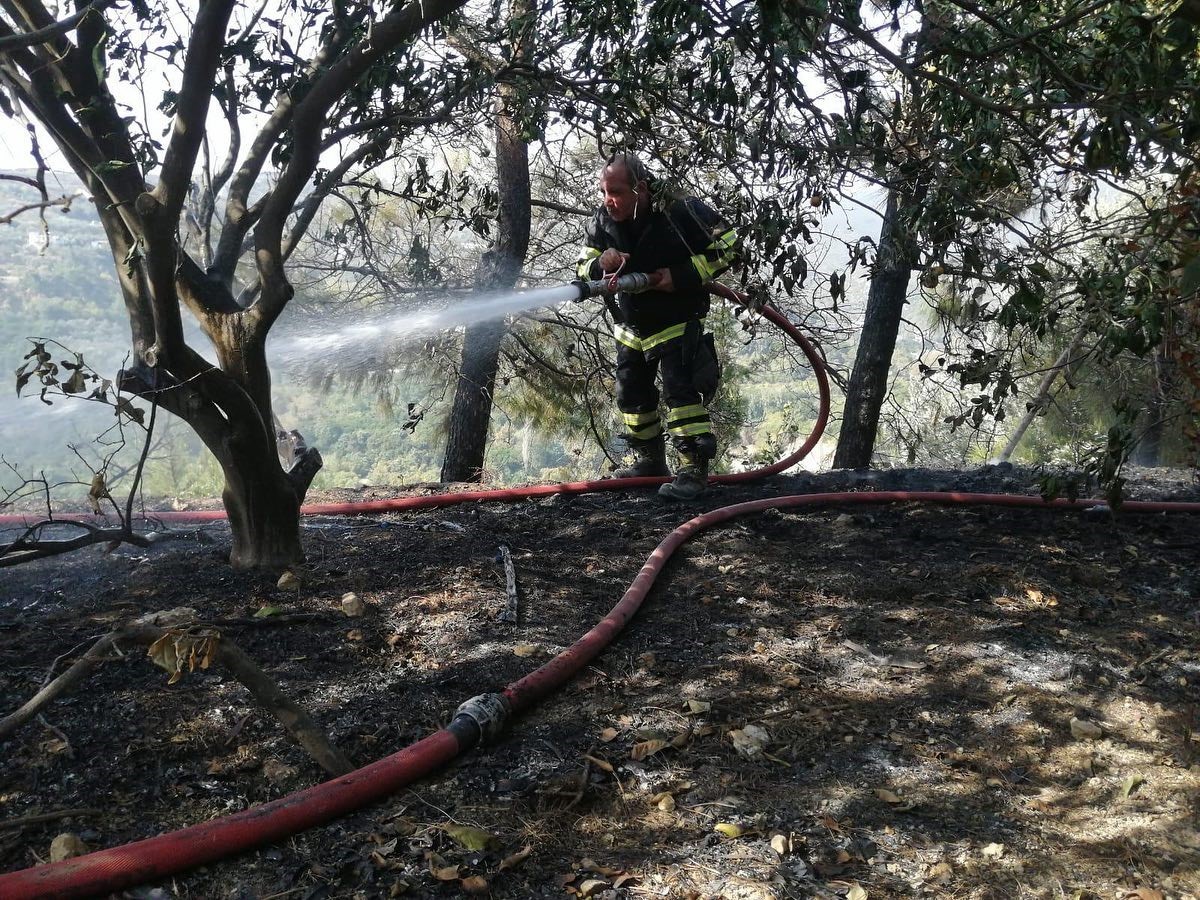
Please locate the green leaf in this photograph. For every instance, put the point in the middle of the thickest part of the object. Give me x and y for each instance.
(1131, 784)
(267, 611)
(1190, 280)
(470, 838)
(99, 63)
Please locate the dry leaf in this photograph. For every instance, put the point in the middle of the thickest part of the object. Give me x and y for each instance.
(590, 865)
(681, 740)
(352, 606)
(446, 873)
(288, 581)
(993, 850)
(887, 796)
(647, 748)
(779, 844)
(178, 649)
(469, 838)
(831, 823)
(515, 859)
(698, 707)
(940, 872)
(476, 884)
(1083, 730)
(608, 735)
(1146, 894)
(856, 892)
(591, 887)
(602, 764)
(524, 650)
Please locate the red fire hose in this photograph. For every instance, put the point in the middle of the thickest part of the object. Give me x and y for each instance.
(156, 858)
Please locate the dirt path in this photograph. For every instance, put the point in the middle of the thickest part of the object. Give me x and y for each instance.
(874, 703)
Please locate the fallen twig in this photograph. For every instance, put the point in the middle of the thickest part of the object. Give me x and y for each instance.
(291, 716)
(22, 550)
(509, 613)
(38, 818)
(286, 619)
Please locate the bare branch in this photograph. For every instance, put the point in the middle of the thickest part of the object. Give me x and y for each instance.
(307, 124)
(64, 201)
(49, 32)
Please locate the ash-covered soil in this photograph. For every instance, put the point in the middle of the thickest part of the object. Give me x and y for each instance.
(864, 701)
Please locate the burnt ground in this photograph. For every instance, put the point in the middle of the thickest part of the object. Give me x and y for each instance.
(914, 671)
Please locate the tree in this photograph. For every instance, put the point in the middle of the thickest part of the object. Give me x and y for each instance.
(366, 78)
(1018, 118)
(472, 407)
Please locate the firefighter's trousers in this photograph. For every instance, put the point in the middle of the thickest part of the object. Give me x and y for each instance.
(687, 361)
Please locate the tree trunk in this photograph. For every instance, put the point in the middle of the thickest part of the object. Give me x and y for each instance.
(472, 409)
(466, 442)
(264, 516)
(872, 363)
(1149, 449)
(225, 408)
(1041, 398)
(261, 498)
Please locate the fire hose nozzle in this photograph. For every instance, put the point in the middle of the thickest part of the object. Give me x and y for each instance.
(631, 283)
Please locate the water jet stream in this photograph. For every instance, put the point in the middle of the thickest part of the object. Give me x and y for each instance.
(375, 330)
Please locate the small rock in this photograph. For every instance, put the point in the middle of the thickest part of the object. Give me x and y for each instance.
(1083, 730)
(352, 605)
(591, 887)
(288, 581)
(750, 741)
(67, 846)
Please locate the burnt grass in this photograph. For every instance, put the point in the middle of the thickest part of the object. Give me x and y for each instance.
(913, 669)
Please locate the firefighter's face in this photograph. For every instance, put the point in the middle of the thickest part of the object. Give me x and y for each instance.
(621, 198)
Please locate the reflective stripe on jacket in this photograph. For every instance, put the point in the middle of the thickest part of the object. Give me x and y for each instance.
(688, 237)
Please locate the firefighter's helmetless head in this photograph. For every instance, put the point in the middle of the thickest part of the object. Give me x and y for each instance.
(625, 186)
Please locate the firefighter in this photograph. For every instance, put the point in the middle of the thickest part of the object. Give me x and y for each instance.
(685, 243)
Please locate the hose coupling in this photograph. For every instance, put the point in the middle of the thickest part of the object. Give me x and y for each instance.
(489, 712)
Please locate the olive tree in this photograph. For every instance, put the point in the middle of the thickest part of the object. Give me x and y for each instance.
(319, 88)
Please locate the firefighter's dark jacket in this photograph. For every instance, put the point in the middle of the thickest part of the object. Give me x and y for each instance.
(687, 236)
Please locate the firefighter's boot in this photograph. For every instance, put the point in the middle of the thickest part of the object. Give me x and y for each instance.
(649, 459)
(690, 481)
